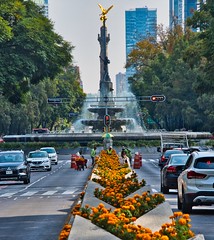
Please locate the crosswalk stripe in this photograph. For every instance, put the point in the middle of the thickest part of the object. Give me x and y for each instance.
(49, 193)
(30, 193)
(68, 192)
(8, 194)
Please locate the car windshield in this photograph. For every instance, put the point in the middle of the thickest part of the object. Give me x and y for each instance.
(178, 160)
(204, 163)
(168, 153)
(37, 154)
(48, 150)
(11, 157)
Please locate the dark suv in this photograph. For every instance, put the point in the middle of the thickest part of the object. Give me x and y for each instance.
(13, 166)
(166, 155)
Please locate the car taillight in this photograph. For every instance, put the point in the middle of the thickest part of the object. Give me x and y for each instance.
(163, 159)
(192, 174)
(171, 169)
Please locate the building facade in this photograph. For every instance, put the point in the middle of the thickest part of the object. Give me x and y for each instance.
(121, 84)
(140, 23)
(180, 10)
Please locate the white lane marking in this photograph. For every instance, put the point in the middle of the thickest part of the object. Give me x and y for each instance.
(69, 192)
(8, 194)
(49, 193)
(29, 193)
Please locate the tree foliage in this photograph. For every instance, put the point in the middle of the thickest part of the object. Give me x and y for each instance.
(182, 69)
(35, 64)
(31, 51)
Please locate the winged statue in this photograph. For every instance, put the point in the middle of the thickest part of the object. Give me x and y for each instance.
(104, 12)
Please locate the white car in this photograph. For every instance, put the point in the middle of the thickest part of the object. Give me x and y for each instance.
(51, 153)
(39, 160)
(196, 182)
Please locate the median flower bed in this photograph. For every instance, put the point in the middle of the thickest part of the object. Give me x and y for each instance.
(119, 182)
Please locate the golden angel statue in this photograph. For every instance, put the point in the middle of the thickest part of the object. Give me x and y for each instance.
(104, 12)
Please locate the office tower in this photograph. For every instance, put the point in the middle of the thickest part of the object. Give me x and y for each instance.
(43, 3)
(180, 10)
(120, 84)
(141, 23)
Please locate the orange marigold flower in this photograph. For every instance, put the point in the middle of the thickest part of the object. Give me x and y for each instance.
(164, 238)
(177, 214)
(182, 221)
(101, 205)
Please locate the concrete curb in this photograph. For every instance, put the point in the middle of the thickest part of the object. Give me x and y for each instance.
(83, 229)
(155, 218)
(90, 199)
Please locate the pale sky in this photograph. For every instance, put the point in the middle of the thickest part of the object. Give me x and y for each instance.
(78, 22)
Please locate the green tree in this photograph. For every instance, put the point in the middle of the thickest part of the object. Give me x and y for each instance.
(30, 51)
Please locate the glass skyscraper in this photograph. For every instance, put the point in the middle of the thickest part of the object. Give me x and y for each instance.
(180, 10)
(141, 23)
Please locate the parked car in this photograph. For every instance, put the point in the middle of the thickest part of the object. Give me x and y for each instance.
(165, 156)
(39, 160)
(51, 153)
(196, 182)
(13, 166)
(171, 171)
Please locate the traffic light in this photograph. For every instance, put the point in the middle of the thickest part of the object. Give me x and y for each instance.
(107, 120)
(158, 98)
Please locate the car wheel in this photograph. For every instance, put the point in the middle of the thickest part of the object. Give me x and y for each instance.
(56, 163)
(179, 203)
(165, 189)
(26, 181)
(49, 169)
(186, 207)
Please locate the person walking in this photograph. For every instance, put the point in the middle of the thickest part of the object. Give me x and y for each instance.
(124, 159)
(128, 153)
(93, 154)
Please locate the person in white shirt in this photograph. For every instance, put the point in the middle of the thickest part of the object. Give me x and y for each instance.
(124, 159)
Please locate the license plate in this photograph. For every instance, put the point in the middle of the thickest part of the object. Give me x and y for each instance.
(9, 172)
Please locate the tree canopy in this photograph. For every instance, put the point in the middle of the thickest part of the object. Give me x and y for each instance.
(33, 59)
(180, 66)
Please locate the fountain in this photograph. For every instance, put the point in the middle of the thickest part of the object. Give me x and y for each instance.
(105, 102)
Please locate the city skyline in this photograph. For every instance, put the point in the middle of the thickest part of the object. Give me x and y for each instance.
(79, 24)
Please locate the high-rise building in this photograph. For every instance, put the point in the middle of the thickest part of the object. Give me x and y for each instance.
(44, 4)
(180, 10)
(120, 84)
(141, 23)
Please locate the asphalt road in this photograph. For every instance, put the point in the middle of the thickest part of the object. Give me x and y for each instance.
(39, 210)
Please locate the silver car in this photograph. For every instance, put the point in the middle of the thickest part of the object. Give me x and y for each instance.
(196, 182)
(51, 153)
(39, 160)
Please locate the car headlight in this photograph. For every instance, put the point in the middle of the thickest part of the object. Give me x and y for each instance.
(23, 170)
